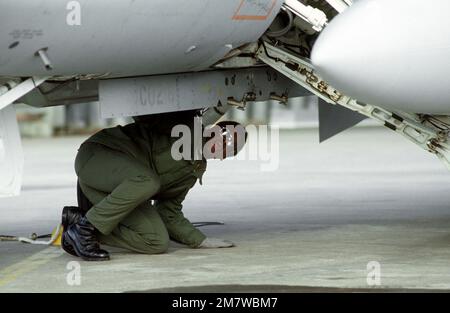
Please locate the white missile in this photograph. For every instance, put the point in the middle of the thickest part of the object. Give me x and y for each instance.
(390, 53)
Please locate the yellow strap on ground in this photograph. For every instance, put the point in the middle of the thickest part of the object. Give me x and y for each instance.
(57, 241)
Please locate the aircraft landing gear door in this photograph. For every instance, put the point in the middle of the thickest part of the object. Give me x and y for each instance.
(11, 153)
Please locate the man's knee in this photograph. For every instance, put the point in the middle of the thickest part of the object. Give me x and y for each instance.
(157, 244)
(162, 245)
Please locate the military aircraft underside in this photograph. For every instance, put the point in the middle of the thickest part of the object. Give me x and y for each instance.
(384, 59)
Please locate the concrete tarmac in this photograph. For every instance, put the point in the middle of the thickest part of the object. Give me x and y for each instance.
(315, 224)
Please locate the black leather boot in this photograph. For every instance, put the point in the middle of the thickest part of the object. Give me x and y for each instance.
(81, 236)
(70, 215)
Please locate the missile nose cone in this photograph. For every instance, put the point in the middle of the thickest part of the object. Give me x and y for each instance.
(344, 47)
(322, 54)
(391, 53)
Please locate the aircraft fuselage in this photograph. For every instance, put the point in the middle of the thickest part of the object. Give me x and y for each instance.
(127, 37)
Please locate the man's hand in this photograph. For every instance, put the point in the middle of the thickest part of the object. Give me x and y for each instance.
(213, 243)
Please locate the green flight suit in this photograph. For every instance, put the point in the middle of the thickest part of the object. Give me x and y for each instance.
(121, 169)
